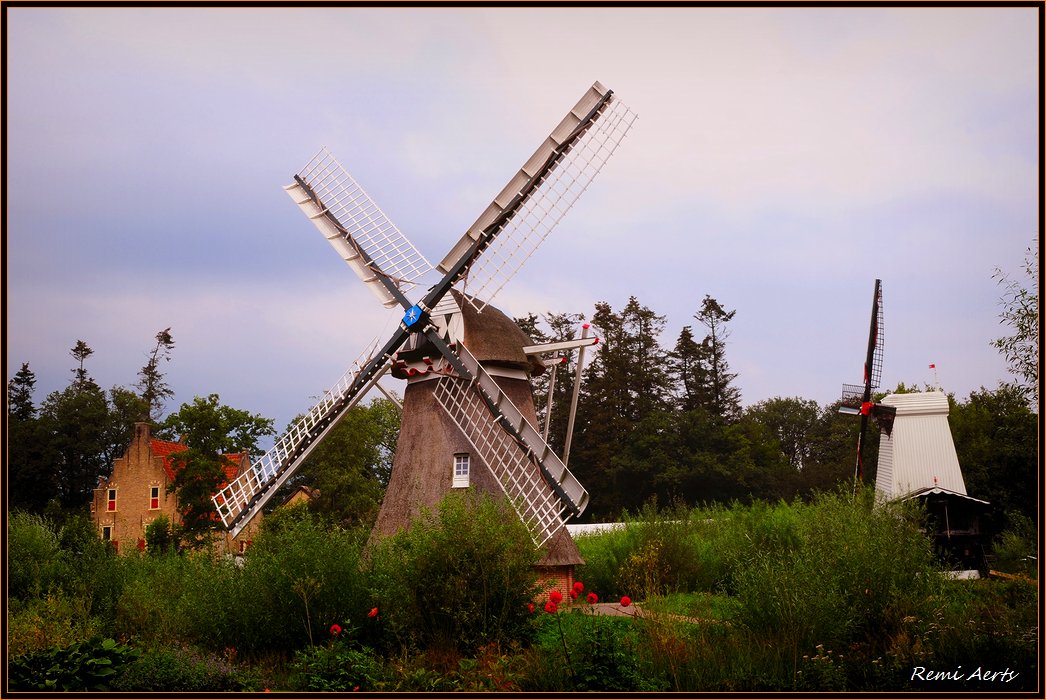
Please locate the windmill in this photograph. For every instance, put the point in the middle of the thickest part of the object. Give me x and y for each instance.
(857, 398)
(436, 346)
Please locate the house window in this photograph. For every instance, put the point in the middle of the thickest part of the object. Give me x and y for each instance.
(112, 500)
(461, 471)
(107, 532)
(154, 497)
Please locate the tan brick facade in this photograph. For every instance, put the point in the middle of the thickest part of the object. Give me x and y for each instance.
(136, 493)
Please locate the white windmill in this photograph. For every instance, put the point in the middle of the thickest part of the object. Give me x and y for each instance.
(438, 340)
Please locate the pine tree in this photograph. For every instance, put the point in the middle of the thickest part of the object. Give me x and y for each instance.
(154, 388)
(30, 481)
(724, 399)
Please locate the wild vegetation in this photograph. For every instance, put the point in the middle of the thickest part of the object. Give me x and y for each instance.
(754, 571)
(833, 594)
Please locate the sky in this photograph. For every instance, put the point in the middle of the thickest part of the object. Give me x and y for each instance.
(782, 160)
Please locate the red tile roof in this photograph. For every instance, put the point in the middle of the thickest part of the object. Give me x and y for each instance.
(163, 448)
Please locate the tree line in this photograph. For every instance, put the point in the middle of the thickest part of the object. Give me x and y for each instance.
(653, 423)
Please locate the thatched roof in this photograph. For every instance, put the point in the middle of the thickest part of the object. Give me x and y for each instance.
(493, 338)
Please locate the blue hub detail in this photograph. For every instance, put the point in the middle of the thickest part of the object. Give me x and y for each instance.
(414, 315)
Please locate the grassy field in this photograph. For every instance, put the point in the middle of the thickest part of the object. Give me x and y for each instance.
(834, 595)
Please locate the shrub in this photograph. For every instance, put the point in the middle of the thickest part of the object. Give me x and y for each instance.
(336, 667)
(457, 578)
(177, 669)
(857, 570)
(298, 578)
(90, 665)
(35, 559)
(55, 620)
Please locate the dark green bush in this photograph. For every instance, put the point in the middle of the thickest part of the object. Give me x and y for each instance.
(338, 666)
(91, 665)
(458, 578)
(36, 563)
(179, 670)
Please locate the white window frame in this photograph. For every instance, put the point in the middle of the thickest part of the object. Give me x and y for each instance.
(462, 467)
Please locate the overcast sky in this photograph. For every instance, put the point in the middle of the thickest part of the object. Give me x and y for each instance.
(782, 160)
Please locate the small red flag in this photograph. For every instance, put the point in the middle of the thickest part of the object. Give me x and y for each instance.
(933, 366)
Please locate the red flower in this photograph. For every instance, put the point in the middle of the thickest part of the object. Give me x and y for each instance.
(551, 607)
(593, 599)
(335, 630)
(373, 612)
(556, 597)
(530, 607)
(578, 586)
(573, 594)
(625, 601)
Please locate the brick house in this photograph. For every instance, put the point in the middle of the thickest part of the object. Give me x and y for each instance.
(136, 493)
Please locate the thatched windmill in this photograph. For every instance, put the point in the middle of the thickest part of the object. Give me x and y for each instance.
(468, 393)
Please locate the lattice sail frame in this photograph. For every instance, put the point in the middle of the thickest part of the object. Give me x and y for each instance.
(516, 468)
(548, 202)
(364, 227)
(236, 503)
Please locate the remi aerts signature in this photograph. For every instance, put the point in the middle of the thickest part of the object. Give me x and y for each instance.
(979, 674)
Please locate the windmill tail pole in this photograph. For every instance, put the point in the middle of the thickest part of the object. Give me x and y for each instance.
(574, 397)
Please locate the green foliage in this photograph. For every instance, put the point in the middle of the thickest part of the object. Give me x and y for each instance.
(211, 431)
(298, 578)
(35, 564)
(857, 568)
(182, 670)
(159, 536)
(90, 665)
(1016, 546)
(351, 467)
(338, 666)
(457, 578)
(1020, 311)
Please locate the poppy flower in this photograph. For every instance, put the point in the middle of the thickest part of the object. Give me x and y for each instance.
(335, 630)
(593, 599)
(556, 597)
(551, 607)
(373, 612)
(578, 586)
(530, 607)
(573, 594)
(625, 601)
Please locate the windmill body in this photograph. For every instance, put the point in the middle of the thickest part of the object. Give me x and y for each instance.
(919, 453)
(433, 457)
(468, 395)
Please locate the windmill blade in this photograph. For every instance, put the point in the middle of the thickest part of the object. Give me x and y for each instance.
(245, 496)
(536, 482)
(357, 228)
(541, 193)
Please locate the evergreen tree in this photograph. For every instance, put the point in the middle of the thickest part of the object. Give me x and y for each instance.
(724, 398)
(689, 368)
(30, 479)
(154, 388)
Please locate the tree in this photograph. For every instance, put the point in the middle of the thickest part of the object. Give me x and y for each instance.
(689, 367)
(80, 352)
(1021, 313)
(30, 477)
(626, 385)
(210, 431)
(350, 468)
(996, 440)
(792, 423)
(154, 388)
(725, 399)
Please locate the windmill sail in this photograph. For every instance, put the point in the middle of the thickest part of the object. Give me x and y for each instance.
(537, 483)
(542, 192)
(245, 496)
(357, 228)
